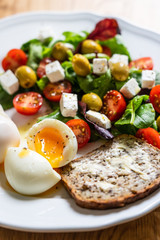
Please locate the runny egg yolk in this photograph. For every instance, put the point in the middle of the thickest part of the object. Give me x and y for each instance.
(49, 143)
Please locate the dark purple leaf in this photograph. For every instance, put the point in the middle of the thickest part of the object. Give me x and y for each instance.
(144, 91)
(101, 131)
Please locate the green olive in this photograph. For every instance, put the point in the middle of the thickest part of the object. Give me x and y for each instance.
(158, 122)
(90, 46)
(26, 76)
(120, 71)
(81, 65)
(59, 52)
(93, 101)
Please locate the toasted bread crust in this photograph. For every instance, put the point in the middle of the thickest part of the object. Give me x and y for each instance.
(120, 201)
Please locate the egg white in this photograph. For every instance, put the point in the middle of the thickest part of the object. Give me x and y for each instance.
(9, 134)
(69, 139)
(28, 172)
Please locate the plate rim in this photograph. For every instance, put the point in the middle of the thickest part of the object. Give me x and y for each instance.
(78, 14)
(124, 20)
(86, 229)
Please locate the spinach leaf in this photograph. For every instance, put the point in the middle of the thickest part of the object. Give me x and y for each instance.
(115, 132)
(91, 83)
(137, 74)
(126, 128)
(74, 38)
(99, 85)
(6, 100)
(119, 84)
(86, 83)
(134, 104)
(116, 45)
(138, 114)
(57, 115)
(145, 116)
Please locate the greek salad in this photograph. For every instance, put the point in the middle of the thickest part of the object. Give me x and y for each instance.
(89, 80)
(95, 90)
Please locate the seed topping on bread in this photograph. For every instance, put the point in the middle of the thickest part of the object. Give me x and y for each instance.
(121, 171)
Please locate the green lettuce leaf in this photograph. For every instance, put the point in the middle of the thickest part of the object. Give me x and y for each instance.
(116, 45)
(69, 72)
(74, 38)
(41, 83)
(138, 114)
(37, 50)
(35, 55)
(91, 56)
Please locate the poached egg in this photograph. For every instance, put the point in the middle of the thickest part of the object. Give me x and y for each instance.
(28, 172)
(9, 134)
(54, 140)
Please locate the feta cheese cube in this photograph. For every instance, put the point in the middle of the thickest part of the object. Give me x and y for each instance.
(45, 32)
(100, 66)
(69, 104)
(148, 79)
(9, 82)
(130, 88)
(118, 58)
(98, 118)
(54, 71)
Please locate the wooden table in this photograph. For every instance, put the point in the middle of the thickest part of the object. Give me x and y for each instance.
(141, 12)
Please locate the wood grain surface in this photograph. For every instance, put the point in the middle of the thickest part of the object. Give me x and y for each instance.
(141, 12)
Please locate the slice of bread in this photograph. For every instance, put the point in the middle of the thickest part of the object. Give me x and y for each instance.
(122, 171)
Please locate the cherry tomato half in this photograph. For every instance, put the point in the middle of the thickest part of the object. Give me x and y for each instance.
(28, 103)
(150, 135)
(114, 105)
(155, 98)
(41, 68)
(145, 63)
(14, 59)
(53, 91)
(81, 130)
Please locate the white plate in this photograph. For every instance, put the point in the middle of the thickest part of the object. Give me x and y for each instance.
(55, 211)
